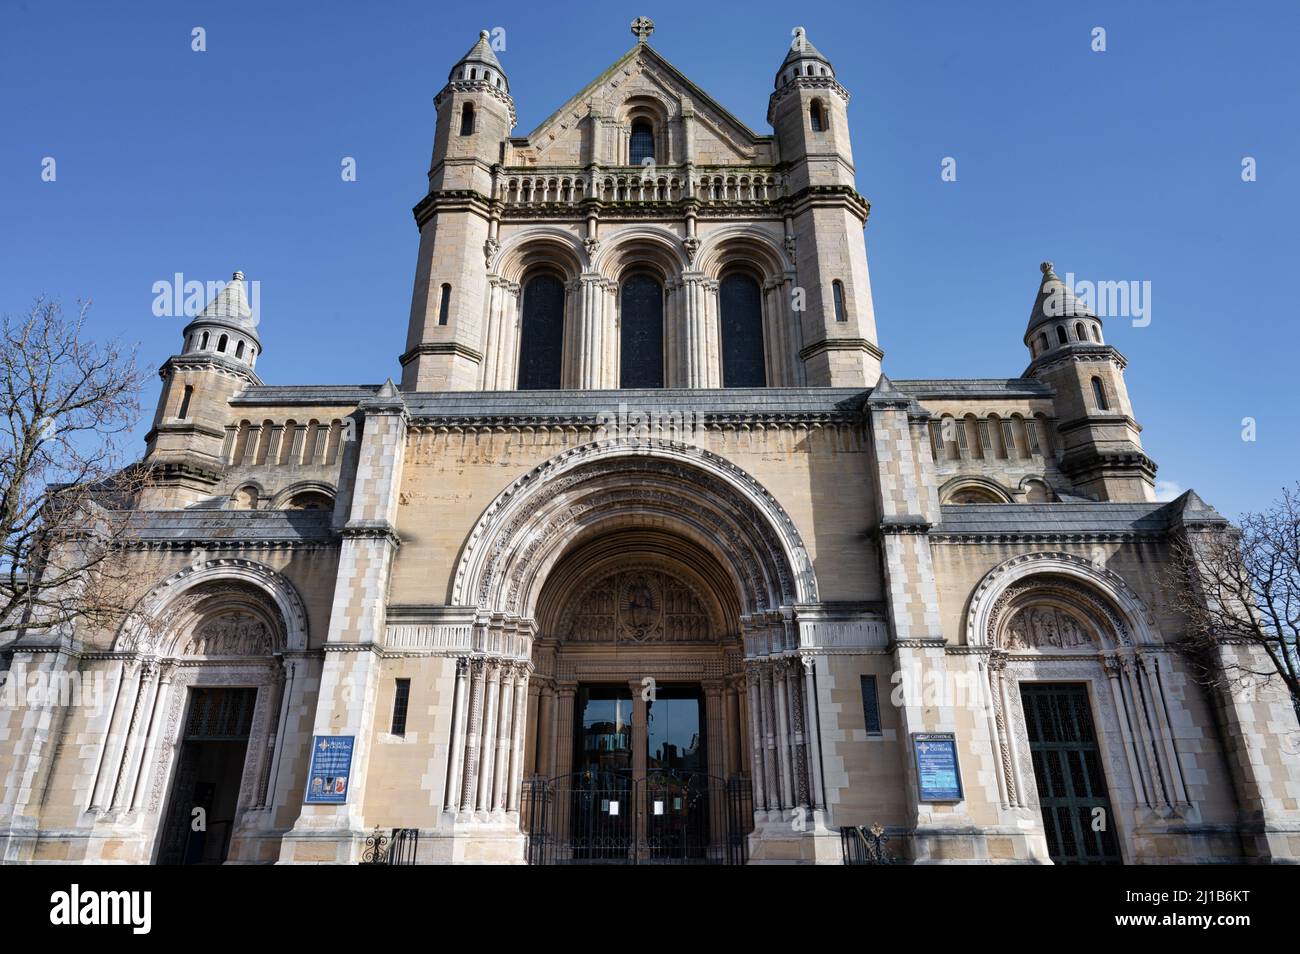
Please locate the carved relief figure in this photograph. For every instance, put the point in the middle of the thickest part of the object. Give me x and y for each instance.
(1039, 627)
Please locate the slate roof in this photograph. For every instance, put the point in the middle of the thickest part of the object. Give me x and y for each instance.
(231, 527)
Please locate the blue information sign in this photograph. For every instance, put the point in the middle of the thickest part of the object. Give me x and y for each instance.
(331, 765)
(936, 766)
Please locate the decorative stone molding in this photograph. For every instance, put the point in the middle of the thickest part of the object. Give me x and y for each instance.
(137, 631)
(522, 531)
(1104, 589)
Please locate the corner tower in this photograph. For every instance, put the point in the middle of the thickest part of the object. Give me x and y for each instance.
(808, 110)
(457, 223)
(1101, 447)
(218, 354)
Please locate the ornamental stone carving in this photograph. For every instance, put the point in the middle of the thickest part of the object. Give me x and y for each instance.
(638, 605)
(1041, 627)
(234, 634)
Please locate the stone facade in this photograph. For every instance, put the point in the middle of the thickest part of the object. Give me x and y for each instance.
(776, 540)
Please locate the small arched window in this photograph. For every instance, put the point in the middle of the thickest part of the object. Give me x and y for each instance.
(467, 119)
(1096, 333)
(473, 74)
(1061, 337)
(1043, 343)
(221, 344)
(837, 290)
(1099, 393)
(239, 350)
(444, 305)
(642, 144)
(1080, 331)
(204, 342)
(817, 115)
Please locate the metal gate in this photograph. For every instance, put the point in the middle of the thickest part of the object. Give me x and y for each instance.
(673, 818)
(1077, 816)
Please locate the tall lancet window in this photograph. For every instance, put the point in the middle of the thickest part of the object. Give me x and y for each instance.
(642, 145)
(541, 338)
(741, 306)
(641, 343)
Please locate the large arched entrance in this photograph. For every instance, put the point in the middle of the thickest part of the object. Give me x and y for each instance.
(649, 589)
(639, 754)
(200, 707)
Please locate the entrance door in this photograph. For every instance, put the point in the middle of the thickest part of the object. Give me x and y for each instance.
(677, 786)
(1072, 791)
(201, 810)
(603, 817)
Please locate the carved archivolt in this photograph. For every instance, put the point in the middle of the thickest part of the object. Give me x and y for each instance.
(208, 591)
(1096, 597)
(526, 528)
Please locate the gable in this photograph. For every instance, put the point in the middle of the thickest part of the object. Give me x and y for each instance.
(641, 76)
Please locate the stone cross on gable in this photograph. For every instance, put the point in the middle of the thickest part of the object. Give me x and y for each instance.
(642, 27)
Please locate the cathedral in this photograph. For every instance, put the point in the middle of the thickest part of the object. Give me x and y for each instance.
(642, 557)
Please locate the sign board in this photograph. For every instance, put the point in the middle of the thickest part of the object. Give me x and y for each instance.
(936, 766)
(331, 767)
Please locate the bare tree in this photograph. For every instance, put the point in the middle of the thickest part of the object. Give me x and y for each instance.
(1241, 586)
(65, 495)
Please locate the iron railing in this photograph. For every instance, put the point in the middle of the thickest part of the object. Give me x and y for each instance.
(396, 848)
(613, 818)
(863, 845)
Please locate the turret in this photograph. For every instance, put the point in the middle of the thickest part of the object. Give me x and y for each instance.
(1100, 439)
(475, 118)
(808, 111)
(185, 445)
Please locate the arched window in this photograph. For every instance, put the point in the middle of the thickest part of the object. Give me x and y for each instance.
(740, 304)
(444, 305)
(541, 344)
(203, 343)
(239, 350)
(641, 343)
(1080, 332)
(817, 114)
(1061, 337)
(1099, 393)
(467, 119)
(221, 343)
(1043, 343)
(642, 144)
(837, 290)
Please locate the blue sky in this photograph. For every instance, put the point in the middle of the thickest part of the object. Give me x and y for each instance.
(1119, 166)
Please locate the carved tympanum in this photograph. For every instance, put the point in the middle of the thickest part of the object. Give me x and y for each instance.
(1046, 627)
(234, 634)
(638, 606)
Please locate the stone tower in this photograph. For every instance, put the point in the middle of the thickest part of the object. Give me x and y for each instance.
(475, 116)
(218, 354)
(1101, 448)
(809, 112)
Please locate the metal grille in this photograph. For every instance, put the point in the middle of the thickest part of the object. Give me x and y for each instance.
(220, 715)
(541, 346)
(399, 847)
(1072, 791)
(641, 358)
(741, 307)
(667, 818)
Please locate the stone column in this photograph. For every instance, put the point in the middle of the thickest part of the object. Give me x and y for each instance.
(517, 738)
(592, 326)
(731, 719)
(473, 735)
(716, 740)
(456, 757)
(771, 767)
(166, 672)
(701, 360)
(640, 729)
(505, 735)
(562, 737)
(487, 756)
(115, 738)
(812, 728)
(784, 750)
(758, 771)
